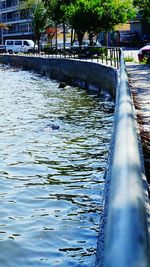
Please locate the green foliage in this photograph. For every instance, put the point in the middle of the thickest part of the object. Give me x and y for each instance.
(90, 16)
(39, 16)
(49, 50)
(143, 7)
(94, 16)
(129, 59)
(146, 60)
(56, 10)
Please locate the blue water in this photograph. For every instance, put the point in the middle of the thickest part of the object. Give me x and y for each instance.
(51, 181)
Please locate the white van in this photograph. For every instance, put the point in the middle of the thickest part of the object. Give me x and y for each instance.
(15, 46)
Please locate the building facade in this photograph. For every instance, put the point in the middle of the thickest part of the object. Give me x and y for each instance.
(18, 21)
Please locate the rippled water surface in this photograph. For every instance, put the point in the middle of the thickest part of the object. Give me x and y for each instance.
(51, 180)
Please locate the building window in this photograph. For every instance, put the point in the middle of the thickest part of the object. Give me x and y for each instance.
(4, 18)
(3, 5)
(24, 27)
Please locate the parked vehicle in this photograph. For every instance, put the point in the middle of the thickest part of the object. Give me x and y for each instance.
(144, 52)
(128, 38)
(85, 49)
(60, 47)
(146, 39)
(2, 49)
(86, 43)
(15, 46)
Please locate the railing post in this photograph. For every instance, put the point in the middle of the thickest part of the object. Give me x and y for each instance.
(114, 53)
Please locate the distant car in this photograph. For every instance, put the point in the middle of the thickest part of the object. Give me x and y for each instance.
(60, 46)
(129, 38)
(86, 43)
(144, 52)
(86, 50)
(15, 46)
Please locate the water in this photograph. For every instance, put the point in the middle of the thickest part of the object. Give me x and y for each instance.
(51, 181)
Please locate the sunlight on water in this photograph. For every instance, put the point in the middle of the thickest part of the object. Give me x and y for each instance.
(51, 177)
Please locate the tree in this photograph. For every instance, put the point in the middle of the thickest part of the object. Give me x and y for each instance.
(57, 13)
(56, 10)
(38, 16)
(143, 7)
(77, 16)
(51, 33)
(93, 16)
(4, 26)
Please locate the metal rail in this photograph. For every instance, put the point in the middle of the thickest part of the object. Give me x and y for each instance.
(123, 238)
(105, 55)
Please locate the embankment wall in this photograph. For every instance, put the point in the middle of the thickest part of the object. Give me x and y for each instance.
(83, 73)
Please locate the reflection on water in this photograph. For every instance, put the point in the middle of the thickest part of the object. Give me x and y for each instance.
(51, 179)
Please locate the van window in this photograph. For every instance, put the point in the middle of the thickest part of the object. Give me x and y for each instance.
(9, 42)
(25, 43)
(18, 42)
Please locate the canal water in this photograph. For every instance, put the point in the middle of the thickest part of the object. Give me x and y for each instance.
(53, 152)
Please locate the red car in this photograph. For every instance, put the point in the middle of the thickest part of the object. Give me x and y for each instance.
(144, 52)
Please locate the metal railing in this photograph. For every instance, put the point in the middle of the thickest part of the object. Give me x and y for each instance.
(123, 239)
(105, 55)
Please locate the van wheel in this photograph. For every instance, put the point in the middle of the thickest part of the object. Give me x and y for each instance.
(10, 51)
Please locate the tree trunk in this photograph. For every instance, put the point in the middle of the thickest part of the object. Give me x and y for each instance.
(90, 38)
(56, 41)
(80, 37)
(107, 43)
(38, 43)
(71, 36)
(64, 35)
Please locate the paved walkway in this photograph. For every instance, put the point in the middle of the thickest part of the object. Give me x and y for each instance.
(131, 52)
(139, 79)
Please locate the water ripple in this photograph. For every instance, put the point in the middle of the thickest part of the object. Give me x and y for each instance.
(51, 180)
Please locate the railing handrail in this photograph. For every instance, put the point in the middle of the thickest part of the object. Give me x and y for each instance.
(123, 239)
(105, 55)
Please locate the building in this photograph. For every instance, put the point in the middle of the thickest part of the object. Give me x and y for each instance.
(19, 21)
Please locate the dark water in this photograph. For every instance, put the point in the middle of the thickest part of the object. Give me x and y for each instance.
(51, 181)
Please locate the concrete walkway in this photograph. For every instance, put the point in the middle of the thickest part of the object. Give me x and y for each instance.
(139, 79)
(131, 53)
